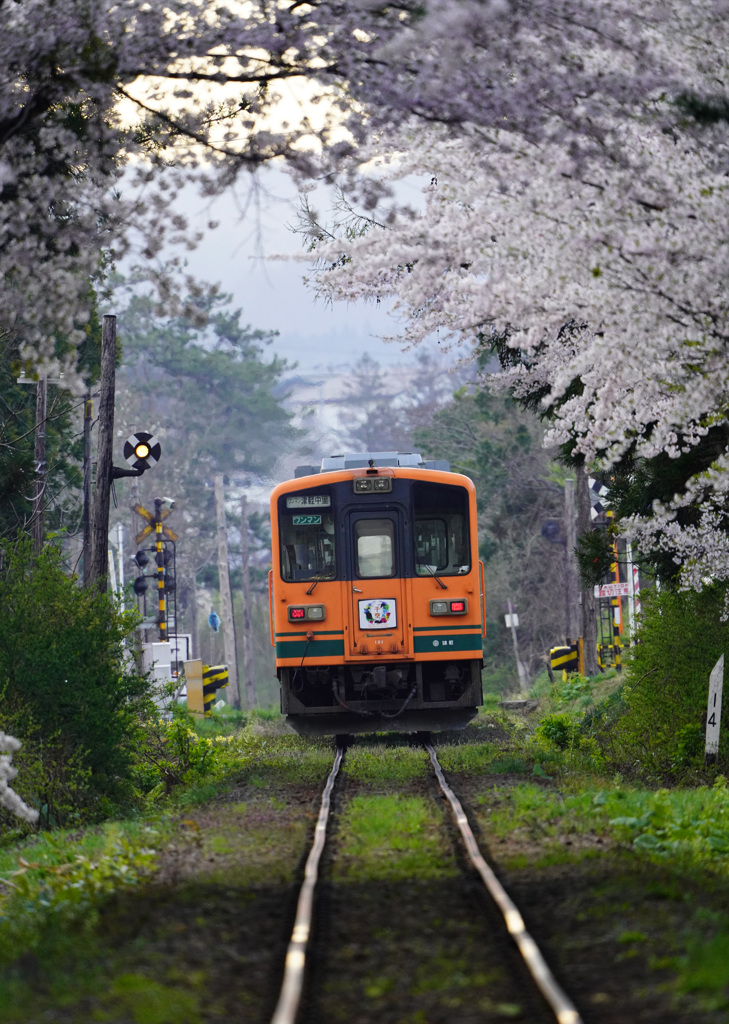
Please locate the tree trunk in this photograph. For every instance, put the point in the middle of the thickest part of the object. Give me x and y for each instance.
(248, 664)
(88, 420)
(589, 606)
(572, 582)
(39, 455)
(99, 567)
(226, 602)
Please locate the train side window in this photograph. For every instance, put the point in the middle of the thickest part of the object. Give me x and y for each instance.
(307, 547)
(375, 547)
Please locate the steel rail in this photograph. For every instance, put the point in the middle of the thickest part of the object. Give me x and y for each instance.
(293, 979)
(561, 1006)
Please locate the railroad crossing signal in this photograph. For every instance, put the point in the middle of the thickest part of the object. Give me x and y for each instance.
(162, 536)
(142, 450)
(599, 498)
(149, 529)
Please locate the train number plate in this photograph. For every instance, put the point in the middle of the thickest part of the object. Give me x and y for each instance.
(378, 613)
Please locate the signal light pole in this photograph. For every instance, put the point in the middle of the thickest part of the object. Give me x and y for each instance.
(160, 560)
(140, 456)
(162, 537)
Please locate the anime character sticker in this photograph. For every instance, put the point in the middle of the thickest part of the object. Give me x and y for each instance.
(378, 613)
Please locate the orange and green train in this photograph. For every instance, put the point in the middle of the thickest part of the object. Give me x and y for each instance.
(377, 595)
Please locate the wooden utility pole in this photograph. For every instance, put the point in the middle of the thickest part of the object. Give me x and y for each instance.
(88, 422)
(195, 615)
(226, 597)
(248, 664)
(572, 583)
(39, 455)
(98, 568)
(589, 608)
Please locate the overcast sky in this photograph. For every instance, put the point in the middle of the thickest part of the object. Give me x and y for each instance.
(271, 292)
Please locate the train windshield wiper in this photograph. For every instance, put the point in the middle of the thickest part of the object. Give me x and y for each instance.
(431, 570)
(320, 579)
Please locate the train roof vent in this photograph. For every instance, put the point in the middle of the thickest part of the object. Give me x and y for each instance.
(360, 460)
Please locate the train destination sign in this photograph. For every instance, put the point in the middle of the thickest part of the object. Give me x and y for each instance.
(308, 501)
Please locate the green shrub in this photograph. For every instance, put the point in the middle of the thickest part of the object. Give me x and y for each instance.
(172, 753)
(661, 729)
(560, 730)
(68, 689)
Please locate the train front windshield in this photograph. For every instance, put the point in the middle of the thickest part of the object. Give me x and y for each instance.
(441, 530)
(440, 537)
(307, 539)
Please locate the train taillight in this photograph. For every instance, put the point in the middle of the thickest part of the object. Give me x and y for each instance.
(459, 606)
(306, 612)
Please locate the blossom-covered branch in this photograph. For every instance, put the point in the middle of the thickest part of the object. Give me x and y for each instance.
(606, 210)
(9, 799)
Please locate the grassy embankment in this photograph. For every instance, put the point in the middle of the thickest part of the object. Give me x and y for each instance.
(172, 917)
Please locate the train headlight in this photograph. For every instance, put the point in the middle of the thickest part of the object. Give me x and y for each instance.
(306, 612)
(458, 606)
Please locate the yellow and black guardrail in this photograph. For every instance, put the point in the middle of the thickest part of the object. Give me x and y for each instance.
(568, 658)
(203, 682)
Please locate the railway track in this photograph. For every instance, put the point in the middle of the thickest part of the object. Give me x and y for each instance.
(519, 960)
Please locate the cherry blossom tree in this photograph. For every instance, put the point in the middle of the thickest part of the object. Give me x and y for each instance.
(573, 155)
(108, 106)
(9, 799)
(598, 202)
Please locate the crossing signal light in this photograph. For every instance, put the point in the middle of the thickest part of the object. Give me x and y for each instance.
(142, 450)
(140, 585)
(141, 559)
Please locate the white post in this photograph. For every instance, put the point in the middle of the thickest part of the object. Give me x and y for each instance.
(631, 589)
(713, 714)
(112, 573)
(521, 670)
(120, 561)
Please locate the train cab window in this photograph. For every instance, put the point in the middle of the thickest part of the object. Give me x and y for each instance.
(431, 541)
(441, 530)
(375, 548)
(307, 546)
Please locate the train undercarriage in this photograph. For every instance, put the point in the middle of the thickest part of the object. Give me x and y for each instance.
(399, 696)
